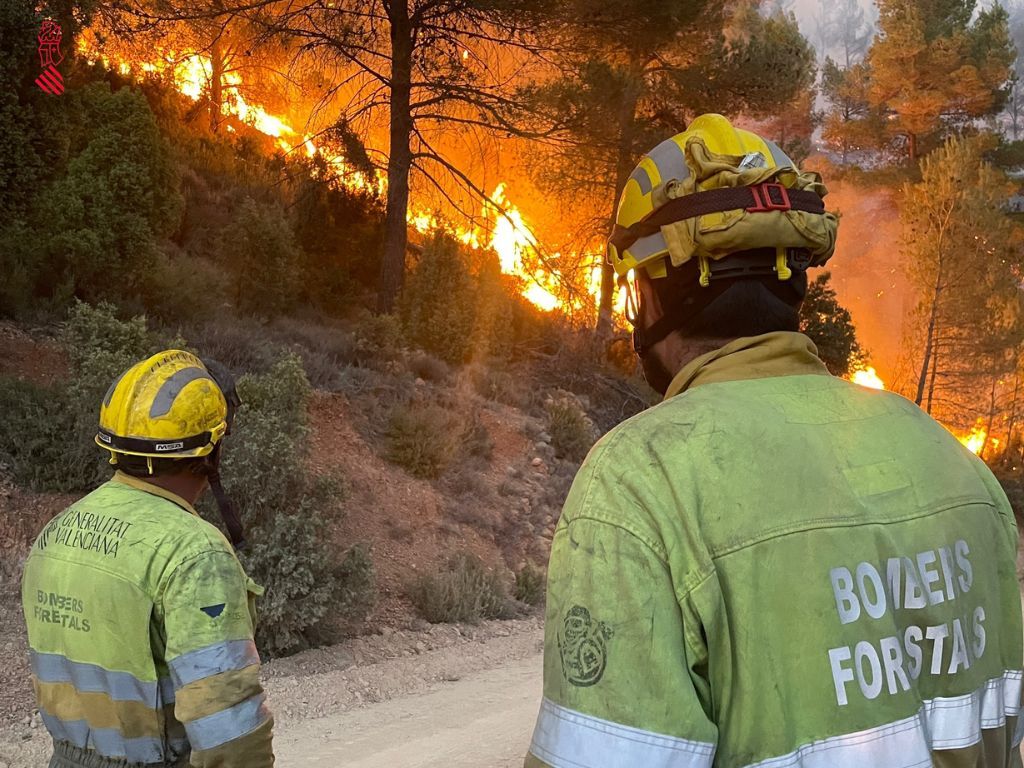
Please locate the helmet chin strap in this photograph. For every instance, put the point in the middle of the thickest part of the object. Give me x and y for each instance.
(228, 513)
(226, 507)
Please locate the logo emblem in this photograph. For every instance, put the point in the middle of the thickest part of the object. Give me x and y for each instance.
(583, 646)
(213, 611)
(50, 79)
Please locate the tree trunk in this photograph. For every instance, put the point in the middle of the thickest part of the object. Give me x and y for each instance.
(396, 232)
(912, 147)
(217, 66)
(930, 337)
(1012, 422)
(991, 415)
(935, 370)
(623, 168)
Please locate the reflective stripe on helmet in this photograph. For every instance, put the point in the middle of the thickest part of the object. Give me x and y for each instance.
(670, 159)
(171, 388)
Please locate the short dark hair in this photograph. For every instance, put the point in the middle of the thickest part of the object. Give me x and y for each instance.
(139, 466)
(731, 307)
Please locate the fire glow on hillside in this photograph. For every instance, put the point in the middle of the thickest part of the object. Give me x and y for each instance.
(504, 228)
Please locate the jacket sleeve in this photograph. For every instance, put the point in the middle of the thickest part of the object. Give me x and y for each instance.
(622, 687)
(214, 665)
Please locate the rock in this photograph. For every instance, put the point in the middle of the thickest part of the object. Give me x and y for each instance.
(544, 437)
(537, 461)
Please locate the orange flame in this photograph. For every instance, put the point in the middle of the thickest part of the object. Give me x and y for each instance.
(867, 377)
(978, 438)
(505, 231)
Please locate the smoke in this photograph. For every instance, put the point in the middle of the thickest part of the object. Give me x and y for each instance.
(867, 272)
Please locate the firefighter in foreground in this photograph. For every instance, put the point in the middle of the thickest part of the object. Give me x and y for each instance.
(773, 567)
(140, 618)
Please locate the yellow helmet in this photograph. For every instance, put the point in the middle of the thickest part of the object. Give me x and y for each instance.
(169, 406)
(714, 191)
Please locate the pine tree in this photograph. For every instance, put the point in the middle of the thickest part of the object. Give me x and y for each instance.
(851, 123)
(933, 71)
(962, 255)
(830, 326)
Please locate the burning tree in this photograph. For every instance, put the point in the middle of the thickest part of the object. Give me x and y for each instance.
(211, 51)
(424, 68)
(963, 254)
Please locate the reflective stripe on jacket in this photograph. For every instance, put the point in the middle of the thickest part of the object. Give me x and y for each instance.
(776, 568)
(140, 626)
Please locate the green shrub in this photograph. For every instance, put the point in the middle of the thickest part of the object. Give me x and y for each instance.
(423, 438)
(284, 509)
(572, 432)
(263, 259)
(529, 585)
(287, 554)
(182, 287)
(465, 592)
(437, 303)
(325, 351)
(357, 584)
(283, 392)
(48, 436)
(378, 339)
(240, 346)
(31, 444)
(428, 368)
(475, 441)
(98, 225)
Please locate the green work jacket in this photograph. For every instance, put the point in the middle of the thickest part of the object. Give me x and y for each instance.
(776, 568)
(140, 626)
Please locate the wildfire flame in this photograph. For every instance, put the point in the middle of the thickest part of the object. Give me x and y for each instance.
(975, 439)
(507, 233)
(978, 438)
(867, 377)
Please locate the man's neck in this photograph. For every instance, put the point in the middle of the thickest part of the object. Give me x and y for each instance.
(186, 485)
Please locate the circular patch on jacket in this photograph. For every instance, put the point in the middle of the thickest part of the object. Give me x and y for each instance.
(583, 646)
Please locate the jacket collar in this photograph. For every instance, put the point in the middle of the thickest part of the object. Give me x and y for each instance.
(782, 353)
(141, 485)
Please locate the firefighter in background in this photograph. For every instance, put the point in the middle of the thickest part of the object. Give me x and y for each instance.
(140, 617)
(773, 567)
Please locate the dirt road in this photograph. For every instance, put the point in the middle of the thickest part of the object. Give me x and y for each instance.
(482, 721)
(458, 697)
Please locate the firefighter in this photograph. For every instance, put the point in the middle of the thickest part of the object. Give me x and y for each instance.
(774, 567)
(140, 617)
